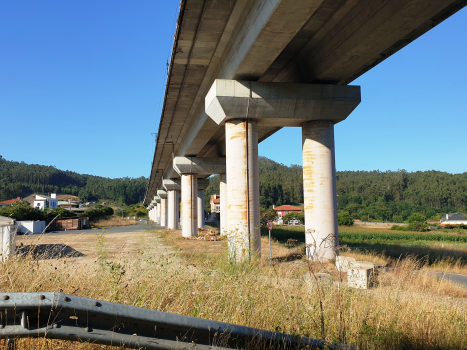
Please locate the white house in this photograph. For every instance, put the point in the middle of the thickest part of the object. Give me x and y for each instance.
(453, 219)
(42, 201)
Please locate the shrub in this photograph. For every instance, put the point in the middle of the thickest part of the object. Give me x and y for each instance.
(95, 213)
(418, 226)
(21, 210)
(106, 211)
(294, 216)
(267, 215)
(344, 219)
(60, 212)
(416, 217)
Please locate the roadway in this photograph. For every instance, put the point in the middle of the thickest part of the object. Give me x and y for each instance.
(455, 278)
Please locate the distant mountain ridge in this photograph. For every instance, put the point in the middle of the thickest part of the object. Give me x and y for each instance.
(18, 179)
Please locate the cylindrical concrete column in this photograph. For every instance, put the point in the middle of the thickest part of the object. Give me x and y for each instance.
(189, 220)
(319, 187)
(241, 139)
(172, 209)
(223, 204)
(158, 212)
(163, 211)
(200, 206)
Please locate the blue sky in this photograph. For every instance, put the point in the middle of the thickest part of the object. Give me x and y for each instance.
(81, 87)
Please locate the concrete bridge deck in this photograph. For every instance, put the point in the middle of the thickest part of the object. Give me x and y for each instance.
(255, 48)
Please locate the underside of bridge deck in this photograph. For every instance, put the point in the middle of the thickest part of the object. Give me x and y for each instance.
(328, 42)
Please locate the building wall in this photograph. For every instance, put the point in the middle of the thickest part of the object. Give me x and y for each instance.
(41, 204)
(454, 222)
(34, 227)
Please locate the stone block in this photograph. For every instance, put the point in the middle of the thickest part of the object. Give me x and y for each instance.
(365, 264)
(343, 263)
(360, 277)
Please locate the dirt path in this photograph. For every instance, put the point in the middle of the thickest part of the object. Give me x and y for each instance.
(80, 249)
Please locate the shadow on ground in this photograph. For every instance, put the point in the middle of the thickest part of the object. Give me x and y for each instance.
(394, 251)
(48, 251)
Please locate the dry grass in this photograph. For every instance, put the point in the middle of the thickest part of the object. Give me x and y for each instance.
(405, 311)
(111, 221)
(447, 257)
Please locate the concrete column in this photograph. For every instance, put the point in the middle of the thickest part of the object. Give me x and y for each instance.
(241, 139)
(189, 220)
(223, 204)
(172, 209)
(319, 187)
(202, 185)
(163, 211)
(173, 189)
(200, 206)
(163, 204)
(158, 212)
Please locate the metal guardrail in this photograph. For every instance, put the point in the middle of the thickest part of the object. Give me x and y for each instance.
(68, 317)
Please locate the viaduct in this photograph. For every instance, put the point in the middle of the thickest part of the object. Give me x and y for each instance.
(241, 70)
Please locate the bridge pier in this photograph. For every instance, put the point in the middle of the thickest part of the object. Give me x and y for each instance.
(246, 107)
(223, 204)
(202, 185)
(189, 220)
(243, 220)
(173, 190)
(158, 209)
(163, 204)
(190, 168)
(319, 184)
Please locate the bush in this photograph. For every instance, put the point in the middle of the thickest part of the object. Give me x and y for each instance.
(21, 210)
(95, 213)
(397, 218)
(267, 215)
(60, 212)
(106, 211)
(294, 216)
(416, 217)
(344, 219)
(417, 226)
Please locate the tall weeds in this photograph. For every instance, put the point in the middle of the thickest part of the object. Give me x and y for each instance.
(404, 311)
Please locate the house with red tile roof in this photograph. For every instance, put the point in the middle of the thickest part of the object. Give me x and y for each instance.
(9, 202)
(215, 203)
(283, 210)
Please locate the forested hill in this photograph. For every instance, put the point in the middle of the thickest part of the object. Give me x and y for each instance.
(369, 194)
(21, 179)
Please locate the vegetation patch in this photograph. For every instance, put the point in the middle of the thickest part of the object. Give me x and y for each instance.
(143, 271)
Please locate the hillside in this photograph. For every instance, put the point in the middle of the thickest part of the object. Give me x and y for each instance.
(18, 179)
(391, 195)
(382, 196)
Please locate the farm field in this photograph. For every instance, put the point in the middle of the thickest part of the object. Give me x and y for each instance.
(436, 251)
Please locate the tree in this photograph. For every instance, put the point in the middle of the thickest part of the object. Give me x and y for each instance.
(294, 216)
(416, 217)
(266, 215)
(21, 211)
(344, 219)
